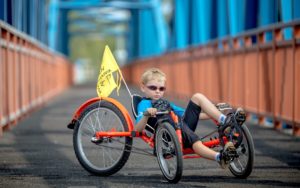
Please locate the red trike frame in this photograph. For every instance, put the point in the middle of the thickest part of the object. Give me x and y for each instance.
(187, 152)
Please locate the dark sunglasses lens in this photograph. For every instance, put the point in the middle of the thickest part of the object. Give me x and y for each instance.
(154, 88)
(162, 89)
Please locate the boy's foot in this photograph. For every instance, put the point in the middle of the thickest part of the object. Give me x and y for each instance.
(228, 121)
(227, 154)
(240, 116)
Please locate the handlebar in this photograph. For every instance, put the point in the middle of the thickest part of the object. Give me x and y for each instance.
(146, 113)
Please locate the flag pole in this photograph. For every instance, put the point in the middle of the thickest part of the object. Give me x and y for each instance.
(125, 83)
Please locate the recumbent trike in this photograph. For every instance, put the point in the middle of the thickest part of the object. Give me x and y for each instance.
(104, 130)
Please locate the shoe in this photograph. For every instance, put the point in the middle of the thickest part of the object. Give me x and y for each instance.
(228, 121)
(240, 116)
(227, 154)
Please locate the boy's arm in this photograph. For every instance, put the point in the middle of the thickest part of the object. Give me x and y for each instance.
(140, 126)
(142, 121)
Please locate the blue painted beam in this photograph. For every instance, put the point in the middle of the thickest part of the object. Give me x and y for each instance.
(132, 44)
(152, 31)
(222, 11)
(251, 14)
(202, 21)
(267, 14)
(53, 23)
(2, 9)
(24, 16)
(236, 16)
(43, 22)
(181, 24)
(296, 9)
(195, 22)
(31, 18)
(109, 32)
(63, 36)
(117, 4)
(100, 18)
(287, 15)
(147, 35)
(9, 15)
(160, 26)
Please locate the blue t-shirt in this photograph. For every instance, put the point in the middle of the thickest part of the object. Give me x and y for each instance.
(146, 103)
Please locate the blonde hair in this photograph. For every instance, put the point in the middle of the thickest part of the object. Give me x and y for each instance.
(152, 73)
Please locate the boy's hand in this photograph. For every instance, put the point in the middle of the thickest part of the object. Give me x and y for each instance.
(151, 112)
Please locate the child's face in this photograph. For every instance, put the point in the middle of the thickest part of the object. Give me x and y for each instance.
(154, 88)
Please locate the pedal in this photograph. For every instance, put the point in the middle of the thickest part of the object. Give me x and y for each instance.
(230, 154)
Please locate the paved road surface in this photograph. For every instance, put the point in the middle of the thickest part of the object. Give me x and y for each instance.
(38, 152)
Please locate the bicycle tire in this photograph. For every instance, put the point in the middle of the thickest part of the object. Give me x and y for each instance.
(168, 150)
(97, 158)
(242, 166)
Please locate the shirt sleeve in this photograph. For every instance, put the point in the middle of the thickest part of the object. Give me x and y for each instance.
(141, 108)
(177, 110)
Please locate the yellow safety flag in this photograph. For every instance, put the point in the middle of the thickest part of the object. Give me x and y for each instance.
(106, 82)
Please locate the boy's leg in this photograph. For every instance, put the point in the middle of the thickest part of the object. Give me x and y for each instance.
(207, 106)
(204, 151)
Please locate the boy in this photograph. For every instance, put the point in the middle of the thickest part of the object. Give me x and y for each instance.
(153, 86)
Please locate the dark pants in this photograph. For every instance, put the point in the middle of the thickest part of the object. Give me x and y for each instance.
(189, 124)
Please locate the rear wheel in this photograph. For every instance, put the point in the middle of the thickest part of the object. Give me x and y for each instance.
(169, 154)
(104, 156)
(242, 166)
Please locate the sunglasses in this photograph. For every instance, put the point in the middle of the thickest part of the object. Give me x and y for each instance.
(154, 88)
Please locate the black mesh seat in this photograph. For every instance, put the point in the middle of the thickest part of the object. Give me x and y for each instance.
(136, 99)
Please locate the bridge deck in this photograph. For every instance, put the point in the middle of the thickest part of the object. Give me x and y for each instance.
(38, 152)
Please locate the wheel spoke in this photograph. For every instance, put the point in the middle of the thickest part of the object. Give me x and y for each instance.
(99, 121)
(91, 124)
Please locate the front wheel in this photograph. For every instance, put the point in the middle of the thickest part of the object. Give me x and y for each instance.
(169, 154)
(107, 155)
(242, 166)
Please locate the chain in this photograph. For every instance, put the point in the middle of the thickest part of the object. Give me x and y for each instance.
(211, 133)
(139, 150)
